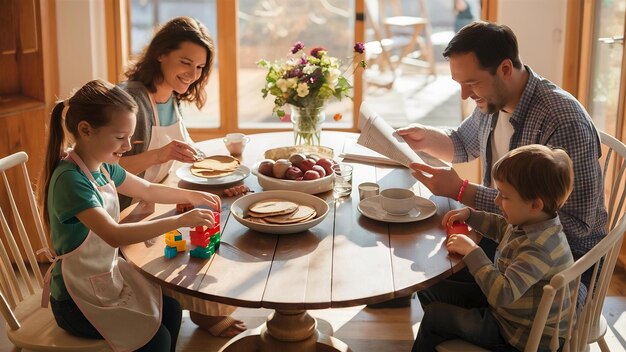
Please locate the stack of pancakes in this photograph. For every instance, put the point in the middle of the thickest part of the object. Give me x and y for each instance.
(279, 212)
(215, 166)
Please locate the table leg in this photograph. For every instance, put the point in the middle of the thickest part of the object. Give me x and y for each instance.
(286, 331)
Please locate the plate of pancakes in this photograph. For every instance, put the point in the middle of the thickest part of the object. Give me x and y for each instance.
(279, 212)
(214, 170)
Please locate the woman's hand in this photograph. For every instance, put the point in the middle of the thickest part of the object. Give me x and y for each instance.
(176, 150)
(197, 217)
(205, 198)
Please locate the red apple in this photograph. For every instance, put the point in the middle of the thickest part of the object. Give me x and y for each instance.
(266, 167)
(296, 158)
(280, 167)
(320, 170)
(327, 164)
(307, 164)
(310, 175)
(293, 173)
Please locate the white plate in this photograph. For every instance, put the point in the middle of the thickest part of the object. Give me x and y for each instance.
(424, 208)
(184, 173)
(309, 186)
(239, 209)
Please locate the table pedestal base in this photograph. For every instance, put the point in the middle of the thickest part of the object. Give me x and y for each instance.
(286, 331)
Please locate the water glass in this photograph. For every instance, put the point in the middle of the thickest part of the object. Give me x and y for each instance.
(368, 189)
(342, 182)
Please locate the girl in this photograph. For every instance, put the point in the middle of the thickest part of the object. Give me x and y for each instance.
(93, 292)
(174, 67)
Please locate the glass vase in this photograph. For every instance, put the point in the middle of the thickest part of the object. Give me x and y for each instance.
(307, 125)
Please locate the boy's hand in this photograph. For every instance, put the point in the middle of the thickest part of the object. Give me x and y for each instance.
(205, 198)
(456, 215)
(460, 244)
(197, 217)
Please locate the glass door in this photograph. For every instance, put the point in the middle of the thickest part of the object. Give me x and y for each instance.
(268, 30)
(605, 99)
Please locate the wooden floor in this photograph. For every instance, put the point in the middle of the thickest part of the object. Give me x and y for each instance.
(380, 330)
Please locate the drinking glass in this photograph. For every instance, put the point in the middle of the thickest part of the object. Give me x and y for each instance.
(342, 182)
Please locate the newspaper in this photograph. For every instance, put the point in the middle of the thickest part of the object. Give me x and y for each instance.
(377, 135)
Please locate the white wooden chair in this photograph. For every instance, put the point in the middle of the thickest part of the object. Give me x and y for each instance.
(28, 325)
(591, 326)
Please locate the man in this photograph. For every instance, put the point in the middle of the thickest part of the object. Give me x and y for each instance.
(515, 107)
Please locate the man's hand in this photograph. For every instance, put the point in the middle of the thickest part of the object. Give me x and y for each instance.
(415, 135)
(442, 181)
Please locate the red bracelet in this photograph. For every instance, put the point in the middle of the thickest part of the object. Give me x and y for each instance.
(462, 190)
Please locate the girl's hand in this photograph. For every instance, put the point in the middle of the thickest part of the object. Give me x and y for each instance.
(458, 215)
(205, 198)
(197, 217)
(176, 150)
(460, 244)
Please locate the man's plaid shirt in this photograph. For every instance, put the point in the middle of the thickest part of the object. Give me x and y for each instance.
(548, 115)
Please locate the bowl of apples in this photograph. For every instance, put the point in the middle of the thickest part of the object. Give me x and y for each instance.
(300, 172)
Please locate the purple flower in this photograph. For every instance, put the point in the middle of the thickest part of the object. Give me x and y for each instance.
(359, 48)
(303, 61)
(317, 52)
(297, 47)
(296, 72)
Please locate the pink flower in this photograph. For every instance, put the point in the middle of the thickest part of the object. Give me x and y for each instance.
(297, 47)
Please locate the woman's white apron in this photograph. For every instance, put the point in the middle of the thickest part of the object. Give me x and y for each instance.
(160, 137)
(120, 303)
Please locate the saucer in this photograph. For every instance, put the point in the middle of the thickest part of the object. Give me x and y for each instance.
(424, 208)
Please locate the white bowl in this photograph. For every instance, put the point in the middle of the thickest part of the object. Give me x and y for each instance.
(320, 185)
(239, 209)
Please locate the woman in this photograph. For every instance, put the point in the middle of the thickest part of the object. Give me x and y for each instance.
(173, 68)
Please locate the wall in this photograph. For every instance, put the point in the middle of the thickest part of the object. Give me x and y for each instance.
(81, 43)
(540, 29)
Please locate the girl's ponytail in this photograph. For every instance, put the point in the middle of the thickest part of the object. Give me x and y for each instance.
(54, 153)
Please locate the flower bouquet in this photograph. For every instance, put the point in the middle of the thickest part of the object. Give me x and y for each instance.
(306, 82)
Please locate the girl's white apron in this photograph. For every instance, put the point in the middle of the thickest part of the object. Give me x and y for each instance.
(118, 301)
(160, 137)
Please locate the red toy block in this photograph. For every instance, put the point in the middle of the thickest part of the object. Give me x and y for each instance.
(200, 240)
(457, 228)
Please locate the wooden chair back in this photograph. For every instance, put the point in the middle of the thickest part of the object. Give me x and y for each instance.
(29, 326)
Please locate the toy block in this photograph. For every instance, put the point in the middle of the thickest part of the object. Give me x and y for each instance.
(216, 216)
(181, 246)
(170, 252)
(215, 238)
(200, 240)
(214, 230)
(178, 238)
(172, 233)
(184, 207)
(203, 253)
(457, 228)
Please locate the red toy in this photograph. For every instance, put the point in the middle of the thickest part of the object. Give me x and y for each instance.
(457, 228)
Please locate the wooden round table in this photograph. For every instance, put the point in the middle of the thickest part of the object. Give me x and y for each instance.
(346, 260)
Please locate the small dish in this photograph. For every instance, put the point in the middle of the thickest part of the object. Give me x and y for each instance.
(309, 186)
(184, 173)
(371, 208)
(239, 209)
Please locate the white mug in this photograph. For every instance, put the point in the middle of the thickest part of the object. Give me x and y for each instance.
(235, 143)
(397, 201)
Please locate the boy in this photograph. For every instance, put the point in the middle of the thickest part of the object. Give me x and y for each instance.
(533, 182)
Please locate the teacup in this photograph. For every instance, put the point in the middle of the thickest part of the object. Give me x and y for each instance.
(397, 201)
(235, 143)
